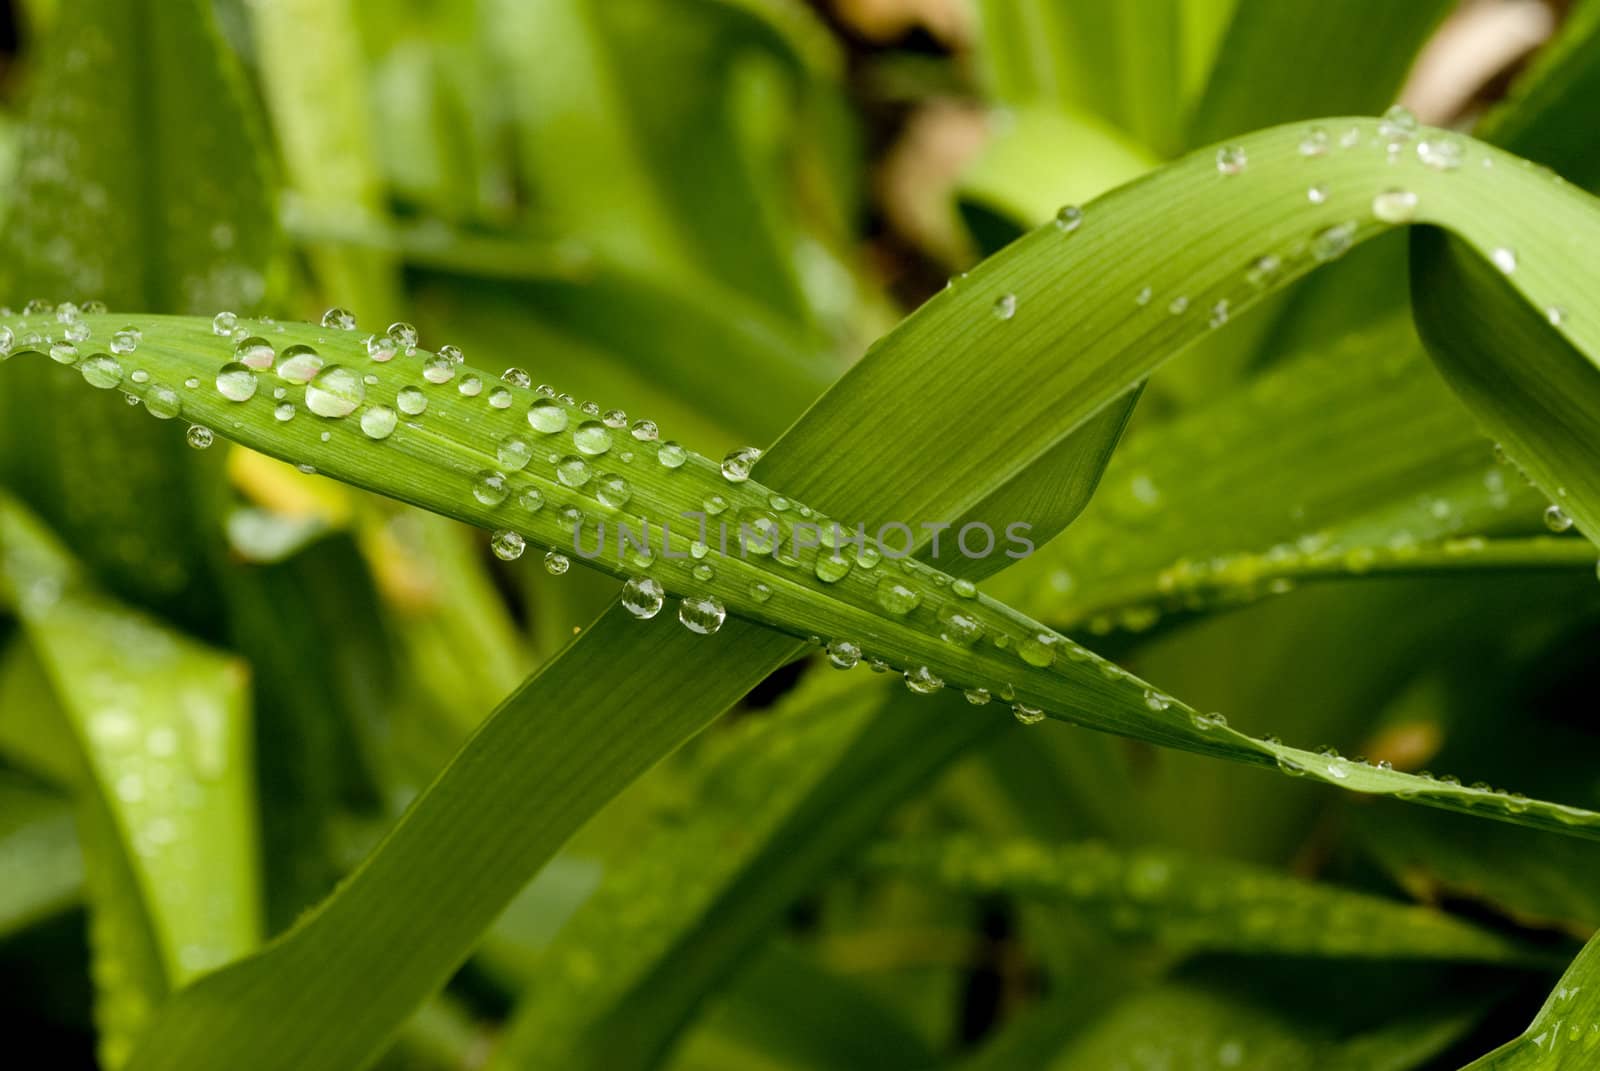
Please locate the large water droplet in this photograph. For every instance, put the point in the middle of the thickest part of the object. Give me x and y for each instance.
(671, 455)
(643, 597)
(490, 487)
(737, 464)
(378, 422)
(299, 364)
(337, 319)
(101, 370)
(1027, 715)
(842, 654)
(514, 452)
(63, 353)
(556, 563)
(1557, 520)
(162, 402)
(223, 324)
(547, 415)
(411, 401)
(573, 471)
(199, 436)
(896, 597)
(236, 382)
(507, 545)
(438, 369)
(923, 681)
(404, 335)
(336, 391)
(592, 437)
(701, 613)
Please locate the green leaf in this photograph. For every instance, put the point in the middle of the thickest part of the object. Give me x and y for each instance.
(1199, 904)
(162, 783)
(1190, 230)
(1565, 1035)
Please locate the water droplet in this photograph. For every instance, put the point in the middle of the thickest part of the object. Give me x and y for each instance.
(1027, 715)
(1556, 315)
(338, 319)
(514, 452)
(531, 499)
(411, 401)
(299, 364)
(1397, 123)
(1395, 206)
(1143, 296)
(490, 487)
(1231, 159)
(223, 324)
(452, 354)
(1557, 520)
(1005, 306)
(572, 471)
(516, 377)
(378, 422)
(592, 437)
(760, 592)
(671, 455)
(438, 369)
(556, 563)
(161, 401)
(404, 335)
(547, 415)
(1038, 649)
(897, 598)
(643, 597)
(1315, 142)
(1505, 259)
(283, 412)
(1178, 305)
(77, 331)
(613, 491)
(963, 589)
(977, 696)
(1331, 243)
(507, 545)
(645, 431)
(101, 370)
(63, 353)
(336, 391)
(500, 398)
(200, 436)
(1219, 313)
(382, 348)
(701, 613)
(1069, 218)
(737, 464)
(842, 654)
(236, 382)
(959, 629)
(1441, 152)
(1317, 194)
(252, 352)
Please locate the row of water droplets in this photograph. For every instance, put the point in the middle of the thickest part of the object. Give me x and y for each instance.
(567, 441)
(1399, 136)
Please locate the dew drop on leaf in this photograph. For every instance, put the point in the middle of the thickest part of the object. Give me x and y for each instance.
(236, 382)
(336, 391)
(490, 488)
(102, 371)
(411, 401)
(737, 464)
(592, 437)
(643, 597)
(547, 415)
(199, 436)
(507, 545)
(378, 422)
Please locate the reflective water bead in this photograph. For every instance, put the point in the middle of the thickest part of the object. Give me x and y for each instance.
(514, 452)
(1395, 206)
(1441, 152)
(1505, 259)
(572, 471)
(1557, 520)
(1178, 305)
(1038, 649)
(963, 589)
(236, 382)
(517, 377)
(760, 592)
(1317, 194)
(592, 438)
(77, 331)
(1315, 142)
(896, 597)
(1231, 159)
(645, 431)
(223, 324)
(299, 364)
(500, 398)
(378, 422)
(613, 491)
(452, 354)
(283, 412)
(842, 654)
(199, 436)
(338, 319)
(1027, 715)
(1005, 306)
(977, 696)
(643, 597)
(531, 499)
(336, 391)
(1556, 315)
(101, 370)
(1143, 296)
(382, 348)
(438, 369)
(737, 464)
(507, 545)
(1069, 218)
(614, 418)
(161, 401)
(1333, 242)
(404, 335)
(470, 386)
(490, 487)
(252, 352)
(923, 681)
(63, 353)
(556, 563)
(411, 401)
(703, 614)
(1398, 123)
(671, 455)
(547, 415)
